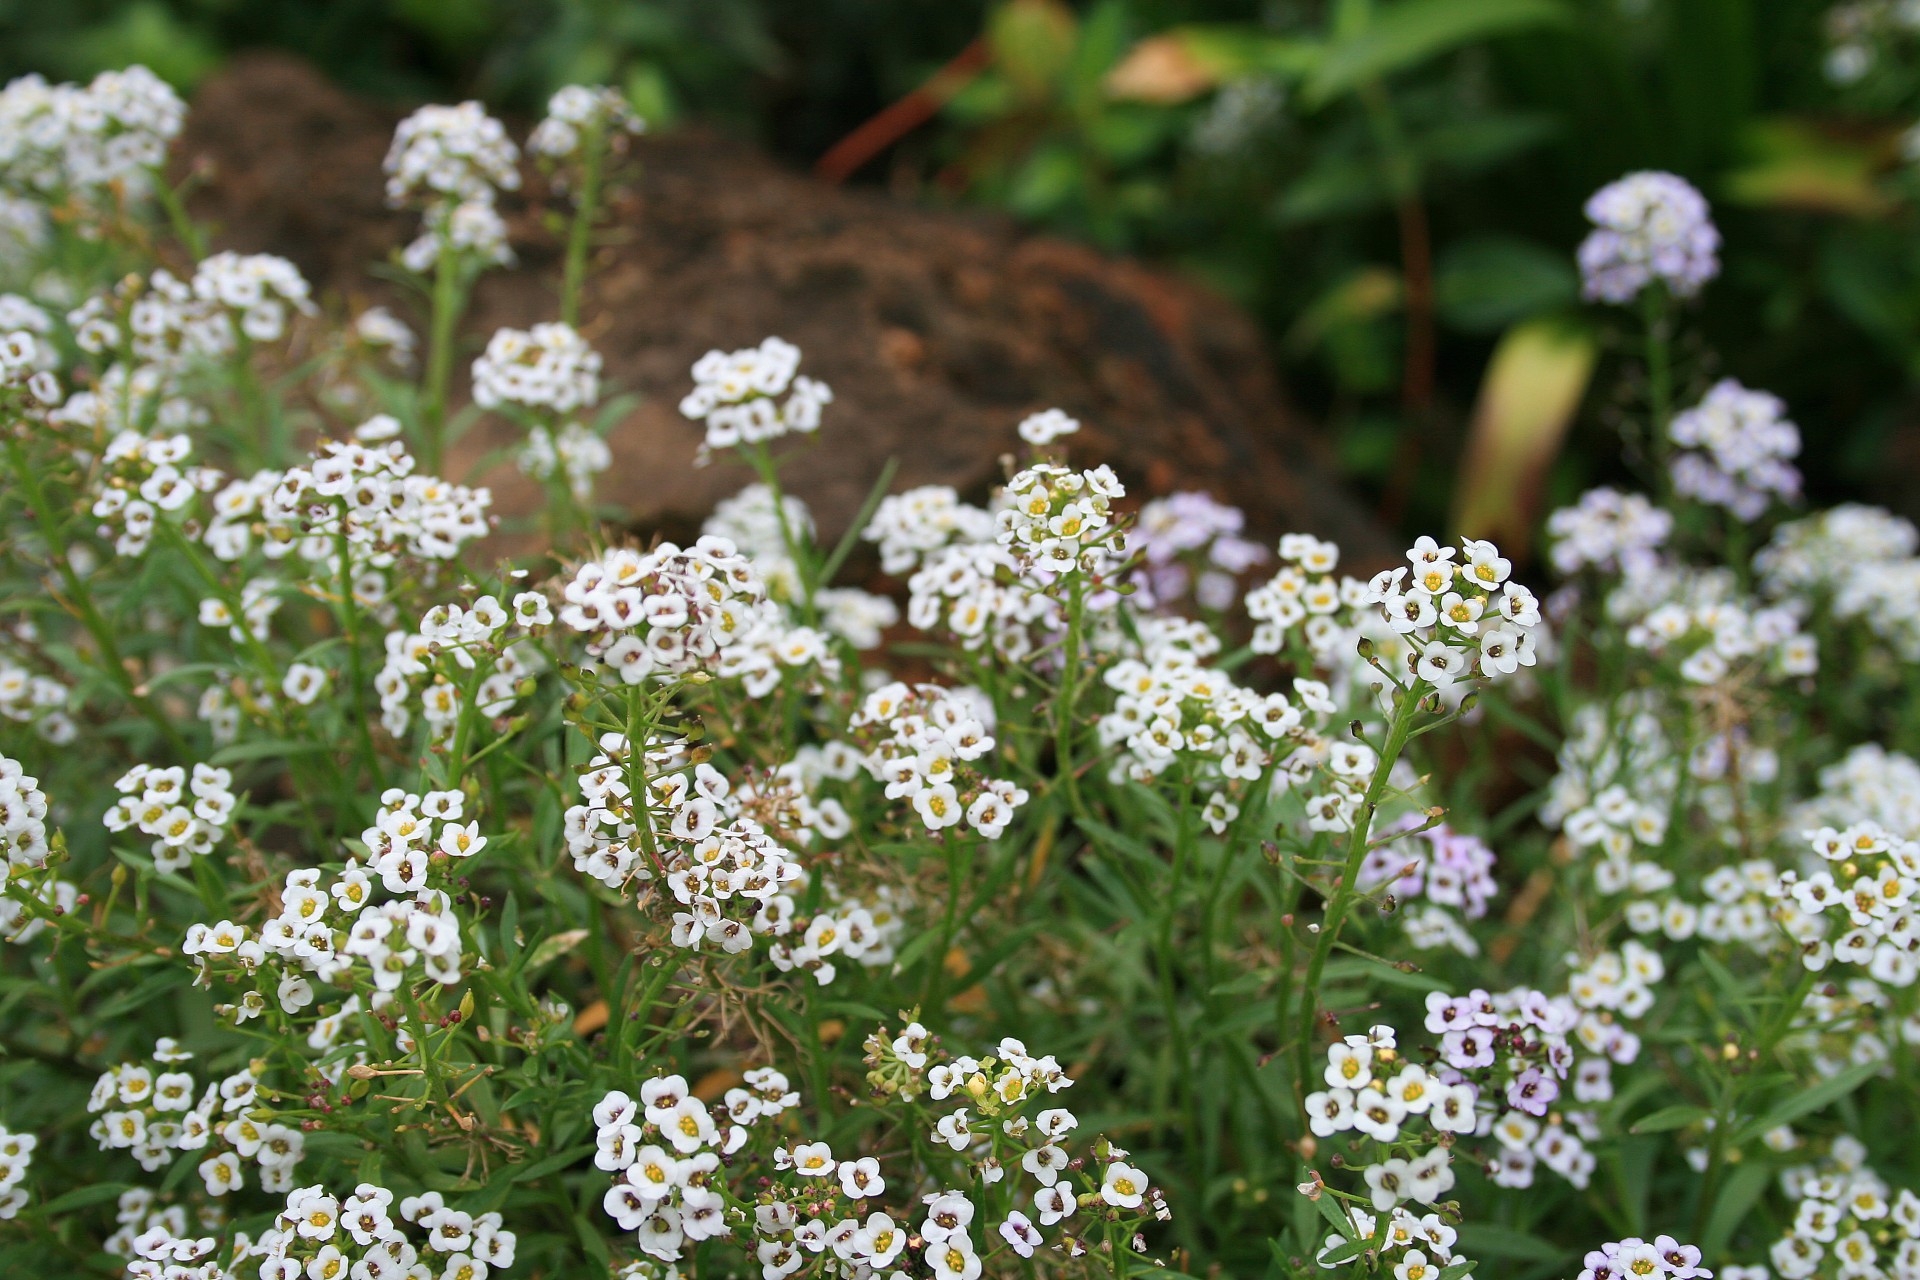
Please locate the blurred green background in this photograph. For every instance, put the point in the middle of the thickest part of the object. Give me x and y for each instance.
(1392, 187)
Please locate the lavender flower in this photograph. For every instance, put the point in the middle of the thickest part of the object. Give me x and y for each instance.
(1648, 226)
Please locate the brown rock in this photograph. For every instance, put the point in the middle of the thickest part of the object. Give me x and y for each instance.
(937, 330)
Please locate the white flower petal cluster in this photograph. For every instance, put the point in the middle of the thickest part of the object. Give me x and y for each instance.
(549, 369)
(256, 288)
(1305, 605)
(925, 742)
(576, 112)
(1057, 520)
(379, 328)
(1663, 1258)
(57, 139)
(662, 613)
(752, 523)
(452, 161)
(368, 495)
(320, 1234)
(1610, 531)
(23, 816)
(1737, 450)
(907, 526)
(1417, 1247)
(665, 1149)
(186, 814)
(339, 934)
(1860, 561)
(1864, 884)
(16, 1157)
(37, 700)
(473, 637)
(1042, 429)
(472, 229)
(450, 154)
(737, 395)
(155, 1110)
(1648, 227)
(573, 452)
(688, 832)
(1462, 618)
(1846, 1221)
(1170, 710)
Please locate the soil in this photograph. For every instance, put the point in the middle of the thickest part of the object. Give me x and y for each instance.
(937, 330)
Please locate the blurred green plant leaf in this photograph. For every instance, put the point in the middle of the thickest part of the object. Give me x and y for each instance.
(1395, 37)
(1488, 283)
(1794, 164)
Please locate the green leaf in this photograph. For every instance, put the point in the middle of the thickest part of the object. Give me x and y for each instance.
(1403, 35)
(81, 1197)
(1490, 282)
(1507, 1242)
(1808, 1101)
(1737, 1196)
(1678, 1116)
(553, 1163)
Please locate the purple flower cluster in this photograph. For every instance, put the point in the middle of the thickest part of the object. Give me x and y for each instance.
(1440, 864)
(1739, 445)
(1648, 227)
(1184, 531)
(1635, 1259)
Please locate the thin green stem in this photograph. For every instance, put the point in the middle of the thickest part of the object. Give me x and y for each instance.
(1399, 729)
(448, 301)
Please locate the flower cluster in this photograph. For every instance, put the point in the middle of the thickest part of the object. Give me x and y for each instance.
(1414, 1248)
(258, 288)
(665, 612)
(1648, 227)
(57, 139)
(926, 741)
(1610, 531)
(908, 526)
(1635, 1259)
(548, 369)
(318, 1233)
(573, 452)
(472, 639)
(689, 830)
(1861, 561)
(1057, 520)
(737, 396)
(577, 113)
(185, 815)
(667, 1194)
(1870, 877)
(452, 161)
(1437, 874)
(1170, 708)
(1738, 450)
(1847, 1221)
(1190, 541)
(1456, 626)
(16, 1157)
(23, 816)
(154, 1111)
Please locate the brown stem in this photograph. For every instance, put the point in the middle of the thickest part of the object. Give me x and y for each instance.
(895, 122)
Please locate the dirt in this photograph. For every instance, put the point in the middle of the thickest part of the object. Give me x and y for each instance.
(937, 330)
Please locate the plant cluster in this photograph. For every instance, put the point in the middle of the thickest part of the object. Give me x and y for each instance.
(377, 906)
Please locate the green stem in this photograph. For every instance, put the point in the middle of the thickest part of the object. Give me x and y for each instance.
(579, 235)
(1399, 729)
(1659, 387)
(447, 305)
(81, 600)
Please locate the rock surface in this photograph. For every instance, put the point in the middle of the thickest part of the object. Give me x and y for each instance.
(937, 330)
